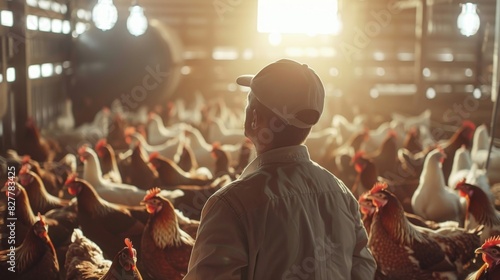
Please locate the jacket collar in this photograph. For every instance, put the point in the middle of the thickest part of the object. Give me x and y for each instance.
(279, 155)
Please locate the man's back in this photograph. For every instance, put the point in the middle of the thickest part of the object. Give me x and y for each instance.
(294, 219)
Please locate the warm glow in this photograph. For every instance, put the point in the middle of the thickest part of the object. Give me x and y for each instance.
(137, 23)
(298, 16)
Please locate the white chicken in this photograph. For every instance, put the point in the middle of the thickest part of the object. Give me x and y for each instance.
(424, 119)
(158, 133)
(202, 150)
(318, 141)
(433, 200)
(166, 149)
(479, 153)
(218, 132)
(463, 167)
(113, 192)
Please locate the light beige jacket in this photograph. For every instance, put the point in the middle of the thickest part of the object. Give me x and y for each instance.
(285, 218)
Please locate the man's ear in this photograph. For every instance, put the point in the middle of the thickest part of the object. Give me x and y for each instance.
(255, 119)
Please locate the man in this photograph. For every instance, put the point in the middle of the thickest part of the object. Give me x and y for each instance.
(285, 217)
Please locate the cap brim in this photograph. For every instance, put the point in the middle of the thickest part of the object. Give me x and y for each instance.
(245, 80)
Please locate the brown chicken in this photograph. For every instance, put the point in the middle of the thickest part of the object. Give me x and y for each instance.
(463, 136)
(107, 159)
(142, 174)
(246, 150)
(85, 261)
(40, 200)
(404, 251)
(367, 209)
(185, 158)
(171, 175)
(24, 215)
(103, 222)
(490, 251)
(36, 146)
(51, 181)
(368, 176)
(117, 136)
(385, 157)
(480, 210)
(166, 248)
(222, 162)
(34, 259)
(412, 140)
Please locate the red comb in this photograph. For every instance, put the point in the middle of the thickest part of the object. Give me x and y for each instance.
(129, 131)
(468, 124)
(392, 133)
(82, 149)
(24, 169)
(26, 159)
(151, 116)
(154, 155)
(490, 242)
(42, 220)
(358, 155)
(413, 131)
(461, 183)
(71, 178)
(379, 186)
(101, 144)
(152, 193)
(216, 145)
(362, 197)
(106, 110)
(130, 248)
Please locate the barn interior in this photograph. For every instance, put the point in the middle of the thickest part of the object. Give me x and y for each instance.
(75, 73)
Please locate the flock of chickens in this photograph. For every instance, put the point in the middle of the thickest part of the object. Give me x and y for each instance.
(121, 197)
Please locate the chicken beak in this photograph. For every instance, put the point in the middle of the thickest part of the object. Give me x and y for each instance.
(479, 251)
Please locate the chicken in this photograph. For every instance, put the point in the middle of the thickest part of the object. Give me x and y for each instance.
(202, 150)
(433, 200)
(116, 137)
(412, 141)
(402, 187)
(40, 200)
(186, 160)
(36, 146)
(85, 261)
(25, 217)
(218, 132)
(405, 251)
(480, 210)
(463, 136)
(424, 119)
(107, 159)
(142, 174)
(166, 247)
(479, 154)
(194, 198)
(166, 149)
(113, 192)
(318, 141)
(490, 251)
(222, 162)
(367, 174)
(171, 175)
(378, 136)
(104, 222)
(51, 181)
(385, 157)
(247, 153)
(158, 133)
(34, 259)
